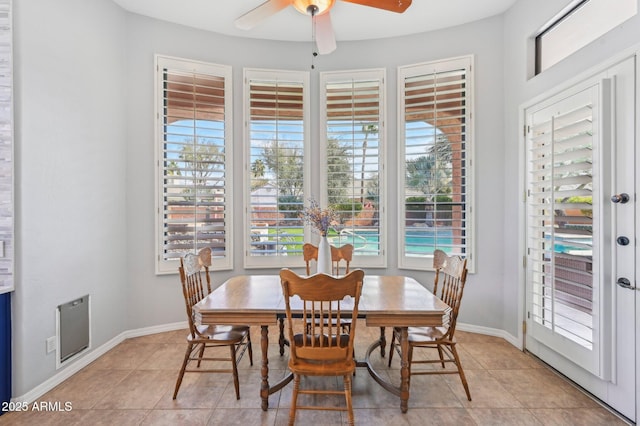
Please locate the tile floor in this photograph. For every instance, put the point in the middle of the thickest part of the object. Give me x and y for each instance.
(133, 385)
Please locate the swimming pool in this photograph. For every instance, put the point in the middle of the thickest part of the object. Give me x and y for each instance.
(579, 245)
(417, 242)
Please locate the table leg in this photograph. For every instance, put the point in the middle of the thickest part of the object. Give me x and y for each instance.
(383, 341)
(404, 369)
(264, 387)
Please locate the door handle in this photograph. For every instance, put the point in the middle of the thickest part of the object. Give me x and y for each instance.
(620, 198)
(625, 283)
(623, 241)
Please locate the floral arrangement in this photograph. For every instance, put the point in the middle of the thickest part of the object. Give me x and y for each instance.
(320, 219)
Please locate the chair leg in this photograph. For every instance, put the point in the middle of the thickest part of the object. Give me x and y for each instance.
(347, 395)
(441, 355)
(184, 367)
(355, 360)
(281, 339)
(250, 347)
(234, 364)
(392, 346)
(201, 353)
(460, 371)
(409, 361)
(294, 399)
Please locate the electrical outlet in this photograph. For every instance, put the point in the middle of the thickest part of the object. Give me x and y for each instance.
(51, 344)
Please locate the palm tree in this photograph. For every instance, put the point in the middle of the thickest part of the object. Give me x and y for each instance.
(367, 129)
(257, 174)
(339, 170)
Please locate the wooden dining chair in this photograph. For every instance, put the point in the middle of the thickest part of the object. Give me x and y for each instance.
(338, 255)
(309, 253)
(194, 273)
(323, 350)
(451, 275)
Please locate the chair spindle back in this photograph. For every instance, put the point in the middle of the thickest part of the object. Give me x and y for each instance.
(338, 254)
(451, 275)
(321, 296)
(194, 272)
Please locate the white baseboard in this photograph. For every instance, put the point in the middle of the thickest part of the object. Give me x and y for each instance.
(89, 357)
(156, 329)
(490, 332)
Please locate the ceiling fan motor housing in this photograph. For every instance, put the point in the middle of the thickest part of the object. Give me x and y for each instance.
(313, 7)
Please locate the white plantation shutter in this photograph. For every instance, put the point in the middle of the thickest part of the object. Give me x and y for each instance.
(435, 193)
(276, 134)
(353, 136)
(561, 218)
(194, 134)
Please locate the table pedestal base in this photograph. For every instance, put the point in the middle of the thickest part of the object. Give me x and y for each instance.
(403, 390)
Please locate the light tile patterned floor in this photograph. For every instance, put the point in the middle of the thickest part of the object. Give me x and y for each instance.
(133, 385)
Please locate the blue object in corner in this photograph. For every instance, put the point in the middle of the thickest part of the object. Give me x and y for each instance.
(5, 348)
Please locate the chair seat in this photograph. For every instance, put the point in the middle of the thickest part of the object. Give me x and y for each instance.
(321, 367)
(223, 334)
(426, 335)
(318, 368)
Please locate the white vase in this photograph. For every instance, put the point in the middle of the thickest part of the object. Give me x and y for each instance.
(324, 256)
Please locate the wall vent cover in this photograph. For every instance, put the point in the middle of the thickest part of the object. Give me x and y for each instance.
(73, 320)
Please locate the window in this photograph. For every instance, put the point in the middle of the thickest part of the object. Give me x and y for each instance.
(194, 157)
(580, 23)
(276, 137)
(435, 161)
(353, 137)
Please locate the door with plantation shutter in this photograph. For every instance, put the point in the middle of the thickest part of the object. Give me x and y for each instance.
(579, 154)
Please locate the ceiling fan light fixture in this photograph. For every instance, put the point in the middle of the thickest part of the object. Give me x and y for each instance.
(319, 6)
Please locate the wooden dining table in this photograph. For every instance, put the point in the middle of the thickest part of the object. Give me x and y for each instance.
(386, 301)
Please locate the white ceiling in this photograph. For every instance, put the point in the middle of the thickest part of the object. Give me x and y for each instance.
(350, 21)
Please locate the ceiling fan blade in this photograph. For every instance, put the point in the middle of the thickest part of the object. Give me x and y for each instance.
(325, 37)
(397, 6)
(260, 13)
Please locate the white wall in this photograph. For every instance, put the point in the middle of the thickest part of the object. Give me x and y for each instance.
(70, 174)
(521, 23)
(146, 37)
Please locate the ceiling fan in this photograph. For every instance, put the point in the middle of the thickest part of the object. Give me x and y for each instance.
(319, 11)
